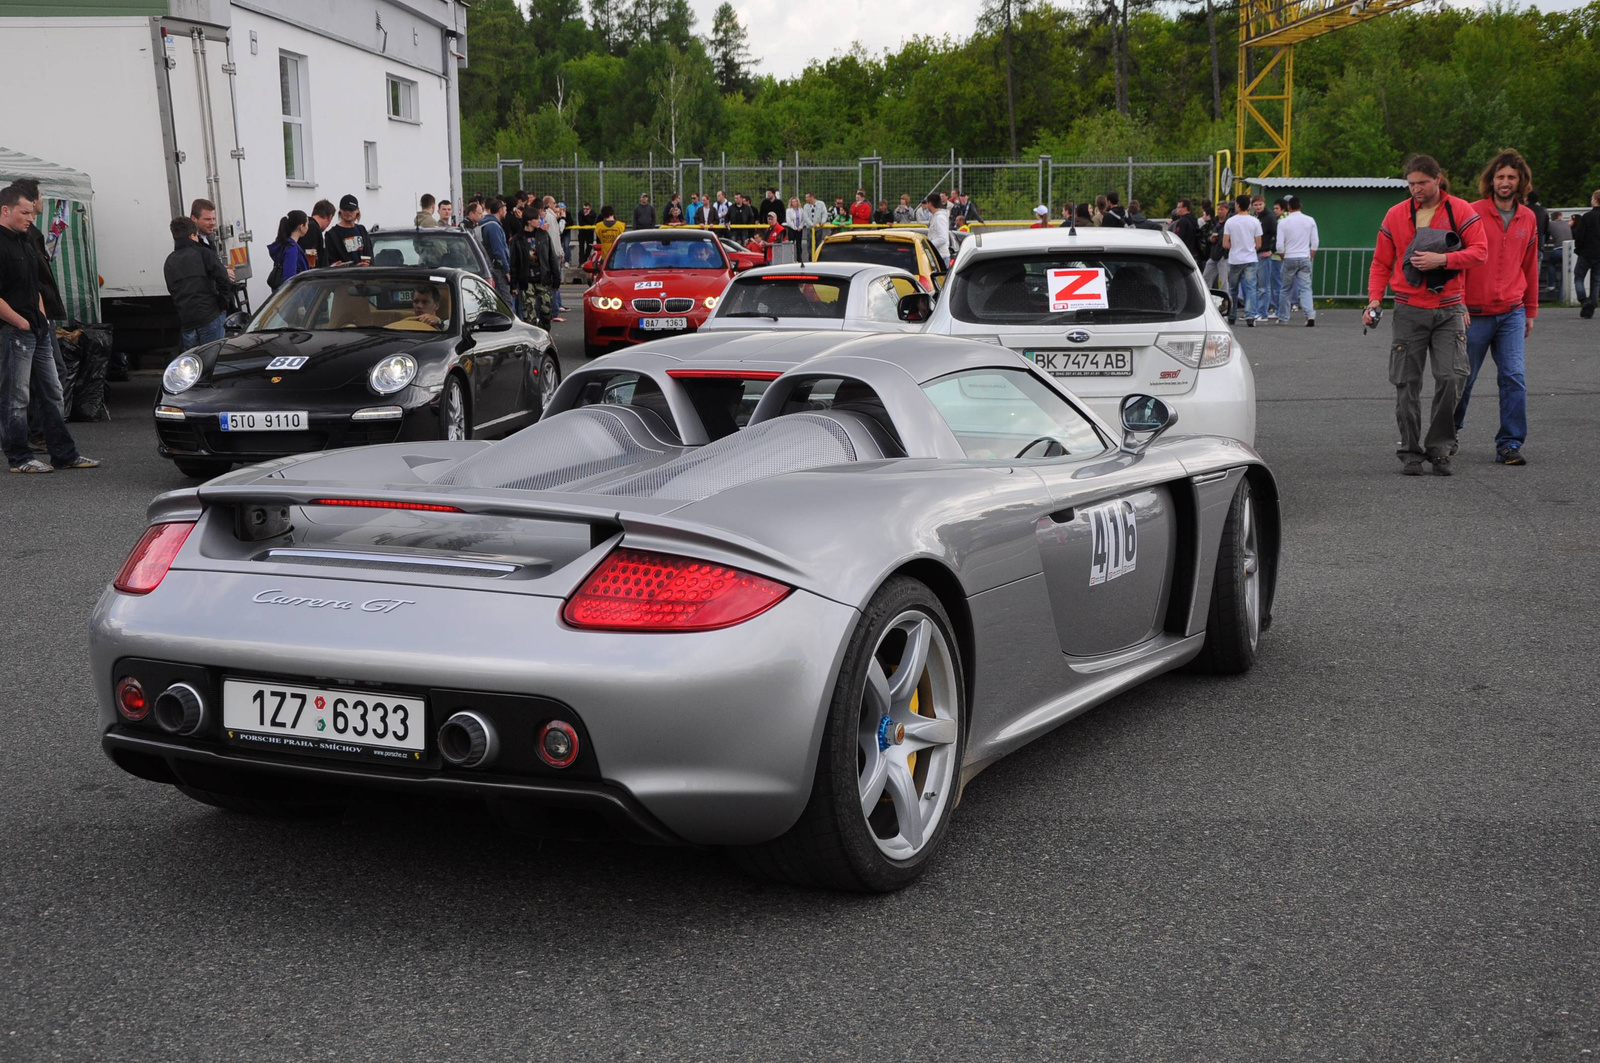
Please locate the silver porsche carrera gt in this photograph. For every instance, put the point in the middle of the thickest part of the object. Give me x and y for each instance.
(796, 634)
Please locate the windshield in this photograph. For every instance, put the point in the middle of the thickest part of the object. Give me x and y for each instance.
(666, 254)
(900, 254)
(331, 299)
(796, 295)
(442, 250)
(1059, 287)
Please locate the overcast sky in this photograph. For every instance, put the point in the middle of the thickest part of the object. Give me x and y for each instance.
(785, 35)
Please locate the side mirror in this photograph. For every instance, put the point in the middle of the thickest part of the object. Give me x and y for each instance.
(1144, 415)
(1222, 301)
(592, 265)
(491, 321)
(740, 265)
(915, 307)
(235, 322)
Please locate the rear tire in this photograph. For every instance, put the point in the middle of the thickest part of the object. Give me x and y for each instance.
(890, 763)
(202, 468)
(1233, 622)
(548, 380)
(268, 807)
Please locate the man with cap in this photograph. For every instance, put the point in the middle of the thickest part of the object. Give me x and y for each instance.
(1041, 217)
(347, 243)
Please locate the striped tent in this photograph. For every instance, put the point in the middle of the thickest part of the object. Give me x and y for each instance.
(68, 225)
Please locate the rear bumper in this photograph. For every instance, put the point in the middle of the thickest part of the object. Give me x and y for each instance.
(713, 734)
(165, 760)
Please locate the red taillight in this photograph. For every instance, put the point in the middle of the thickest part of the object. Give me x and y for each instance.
(375, 503)
(130, 699)
(636, 591)
(151, 558)
(724, 374)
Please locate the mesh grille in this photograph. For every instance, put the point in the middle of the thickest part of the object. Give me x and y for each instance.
(647, 306)
(582, 442)
(679, 306)
(772, 448)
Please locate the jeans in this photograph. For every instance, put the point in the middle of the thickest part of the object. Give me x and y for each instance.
(1582, 267)
(1437, 337)
(1500, 336)
(207, 333)
(28, 368)
(1268, 277)
(1295, 288)
(1245, 300)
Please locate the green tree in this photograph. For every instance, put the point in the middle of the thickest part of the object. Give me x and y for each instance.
(730, 51)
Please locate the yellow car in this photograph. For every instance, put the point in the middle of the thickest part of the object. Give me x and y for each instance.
(907, 249)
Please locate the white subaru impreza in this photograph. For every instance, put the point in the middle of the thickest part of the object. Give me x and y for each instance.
(1107, 312)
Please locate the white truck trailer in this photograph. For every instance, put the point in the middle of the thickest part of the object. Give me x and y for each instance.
(145, 106)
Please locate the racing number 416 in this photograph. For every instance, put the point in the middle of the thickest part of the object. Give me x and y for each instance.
(1115, 541)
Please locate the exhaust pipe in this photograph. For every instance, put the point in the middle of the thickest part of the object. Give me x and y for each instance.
(467, 740)
(180, 710)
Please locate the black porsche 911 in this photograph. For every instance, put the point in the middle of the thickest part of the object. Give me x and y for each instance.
(356, 355)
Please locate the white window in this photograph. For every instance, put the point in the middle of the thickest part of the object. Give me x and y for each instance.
(402, 99)
(370, 151)
(292, 90)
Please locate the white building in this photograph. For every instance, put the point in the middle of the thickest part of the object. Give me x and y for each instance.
(262, 106)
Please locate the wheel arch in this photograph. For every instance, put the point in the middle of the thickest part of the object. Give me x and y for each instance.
(1269, 514)
(939, 579)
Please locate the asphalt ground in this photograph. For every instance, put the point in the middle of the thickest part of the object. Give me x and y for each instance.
(1379, 845)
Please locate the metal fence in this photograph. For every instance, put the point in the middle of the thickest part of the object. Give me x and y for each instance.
(1002, 188)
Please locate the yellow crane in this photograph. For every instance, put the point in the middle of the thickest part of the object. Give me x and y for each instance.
(1268, 32)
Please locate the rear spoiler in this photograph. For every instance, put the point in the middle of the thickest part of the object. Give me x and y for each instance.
(645, 529)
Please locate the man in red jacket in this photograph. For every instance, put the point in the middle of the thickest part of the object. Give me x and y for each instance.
(1424, 246)
(1503, 297)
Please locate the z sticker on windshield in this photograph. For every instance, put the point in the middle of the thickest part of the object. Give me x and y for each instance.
(646, 284)
(1115, 541)
(1077, 289)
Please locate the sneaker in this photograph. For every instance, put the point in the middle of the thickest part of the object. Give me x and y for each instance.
(1510, 456)
(1455, 448)
(1587, 311)
(80, 462)
(1441, 467)
(1412, 468)
(1311, 322)
(559, 318)
(1249, 322)
(32, 465)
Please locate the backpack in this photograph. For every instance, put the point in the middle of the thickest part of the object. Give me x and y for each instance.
(275, 278)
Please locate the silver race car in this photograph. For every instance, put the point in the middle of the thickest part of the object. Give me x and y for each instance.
(799, 638)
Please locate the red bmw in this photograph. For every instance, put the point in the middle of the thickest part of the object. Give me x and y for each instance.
(655, 282)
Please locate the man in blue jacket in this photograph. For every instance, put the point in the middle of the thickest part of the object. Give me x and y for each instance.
(493, 233)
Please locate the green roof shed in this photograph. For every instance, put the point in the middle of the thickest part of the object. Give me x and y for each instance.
(1348, 211)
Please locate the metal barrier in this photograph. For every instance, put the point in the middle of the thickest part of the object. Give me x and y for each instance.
(999, 187)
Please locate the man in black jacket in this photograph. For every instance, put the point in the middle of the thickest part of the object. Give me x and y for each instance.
(27, 358)
(587, 219)
(1187, 230)
(198, 285)
(771, 204)
(1586, 251)
(312, 242)
(644, 215)
(535, 270)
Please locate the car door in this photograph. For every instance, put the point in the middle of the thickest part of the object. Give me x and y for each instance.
(878, 306)
(1104, 528)
(491, 358)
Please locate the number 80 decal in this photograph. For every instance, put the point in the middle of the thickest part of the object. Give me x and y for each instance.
(1115, 541)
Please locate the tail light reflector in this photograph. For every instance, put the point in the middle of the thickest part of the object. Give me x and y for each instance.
(637, 591)
(130, 699)
(378, 503)
(151, 557)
